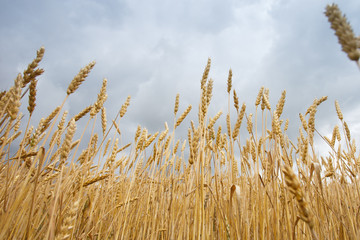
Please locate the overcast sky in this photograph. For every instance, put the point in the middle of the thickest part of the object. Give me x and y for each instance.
(154, 49)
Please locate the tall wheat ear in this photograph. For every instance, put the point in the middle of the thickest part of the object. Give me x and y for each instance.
(294, 187)
(349, 42)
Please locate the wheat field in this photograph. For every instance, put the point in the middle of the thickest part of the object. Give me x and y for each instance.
(216, 184)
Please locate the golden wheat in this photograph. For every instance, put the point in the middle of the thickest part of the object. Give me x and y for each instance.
(221, 184)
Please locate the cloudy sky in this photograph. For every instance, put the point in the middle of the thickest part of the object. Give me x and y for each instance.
(154, 49)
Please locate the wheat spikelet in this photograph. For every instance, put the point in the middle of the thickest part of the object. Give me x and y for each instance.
(183, 116)
(57, 135)
(138, 168)
(119, 163)
(218, 136)
(127, 202)
(265, 100)
(65, 148)
(203, 106)
(305, 152)
(223, 141)
(178, 164)
(343, 31)
(4, 101)
(102, 96)
(259, 96)
(176, 146)
(31, 72)
(52, 176)
(338, 153)
(142, 139)
(334, 134)
(295, 188)
(205, 74)
(82, 159)
(286, 125)
(176, 107)
(337, 131)
(228, 124)
(125, 106)
(234, 169)
(27, 135)
(303, 122)
(338, 110)
(106, 146)
(167, 142)
(311, 122)
(236, 101)
(238, 121)
(259, 145)
(353, 146)
(210, 135)
(330, 171)
(357, 163)
(13, 137)
(74, 144)
(103, 120)
(229, 82)
(209, 89)
(302, 138)
(164, 133)
(312, 106)
(151, 139)
(137, 133)
(253, 150)
(46, 122)
(276, 124)
(17, 123)
(347, 131)
(262, 106)
(183, 146)
(112, 157)
(79, 78)
(321, 100)
(317, 168)
(281, 103)
(32, 96)
(82, 113)
(14, 98)
(95, 179)
(67, 224)
(124, 147)
(93, 141)
(194, 147)
(213, 120)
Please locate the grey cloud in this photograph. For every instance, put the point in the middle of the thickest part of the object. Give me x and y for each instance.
(152, 50)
